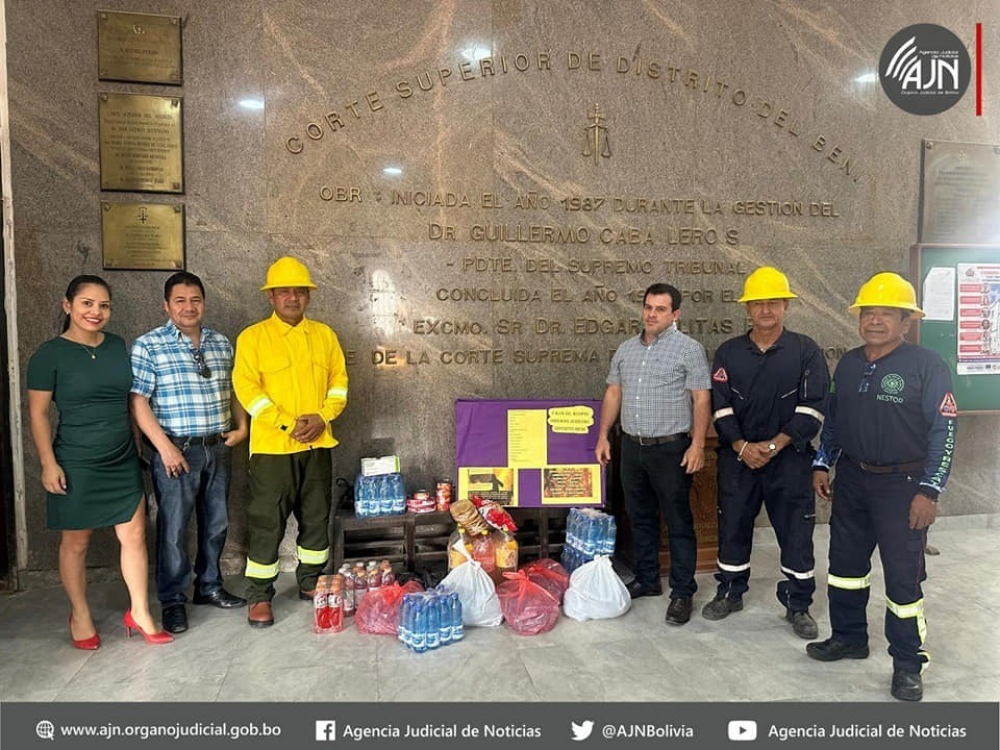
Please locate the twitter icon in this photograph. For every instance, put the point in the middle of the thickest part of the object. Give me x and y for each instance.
(582, 730)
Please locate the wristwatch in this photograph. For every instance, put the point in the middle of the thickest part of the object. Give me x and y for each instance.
(772, 447)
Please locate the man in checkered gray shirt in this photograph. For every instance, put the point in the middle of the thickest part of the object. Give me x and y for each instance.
(660, 388)
(182, 401)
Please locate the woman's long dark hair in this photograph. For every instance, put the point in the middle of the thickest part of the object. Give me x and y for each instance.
(74, 289)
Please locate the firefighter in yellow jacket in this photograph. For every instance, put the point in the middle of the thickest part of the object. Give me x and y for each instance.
(291, 378)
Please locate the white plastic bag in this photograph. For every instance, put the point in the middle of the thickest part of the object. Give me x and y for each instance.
(476, 591)
(595, 592)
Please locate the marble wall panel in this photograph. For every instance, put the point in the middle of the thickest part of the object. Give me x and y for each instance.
(706, 106)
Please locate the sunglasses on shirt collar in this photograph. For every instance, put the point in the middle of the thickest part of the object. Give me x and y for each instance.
(203, 369)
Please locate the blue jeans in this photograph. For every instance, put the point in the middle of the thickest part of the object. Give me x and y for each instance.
(653, 480)
(205, 488)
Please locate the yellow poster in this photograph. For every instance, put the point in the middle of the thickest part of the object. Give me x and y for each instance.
(571, 485)
(527, 438)
(498, 484)
(574, 420)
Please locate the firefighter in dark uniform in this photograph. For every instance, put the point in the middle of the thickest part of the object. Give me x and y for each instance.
(768, 391)
(890, 430)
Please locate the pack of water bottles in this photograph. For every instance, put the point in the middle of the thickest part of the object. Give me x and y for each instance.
(379, 495)
(589, 533)
(430, 619)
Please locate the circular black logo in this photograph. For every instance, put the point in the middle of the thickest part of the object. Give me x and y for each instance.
(924, 69)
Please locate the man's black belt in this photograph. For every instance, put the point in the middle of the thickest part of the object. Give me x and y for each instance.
(207, 440)
(912, 467)
(657, 440)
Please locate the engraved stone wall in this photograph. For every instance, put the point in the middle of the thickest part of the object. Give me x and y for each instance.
(483, 189)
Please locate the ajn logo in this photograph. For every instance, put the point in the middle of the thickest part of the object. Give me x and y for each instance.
(924, 69)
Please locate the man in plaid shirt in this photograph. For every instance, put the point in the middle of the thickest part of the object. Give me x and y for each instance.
(659, 385)
(182, 401)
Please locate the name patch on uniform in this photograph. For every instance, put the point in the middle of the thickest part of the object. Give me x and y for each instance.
(948, 406)
(720, 376)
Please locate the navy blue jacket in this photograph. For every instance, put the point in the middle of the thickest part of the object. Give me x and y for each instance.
(756, 395)
(898, 409)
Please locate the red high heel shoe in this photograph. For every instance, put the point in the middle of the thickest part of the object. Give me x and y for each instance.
(153, 639)
(86, 644)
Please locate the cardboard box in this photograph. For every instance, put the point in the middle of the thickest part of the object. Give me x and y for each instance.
(371, 467)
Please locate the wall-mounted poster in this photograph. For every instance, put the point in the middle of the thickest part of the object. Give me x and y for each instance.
(529, 454)
(978, 319)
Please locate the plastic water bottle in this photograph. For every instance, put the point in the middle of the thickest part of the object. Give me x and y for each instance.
(361, 496)
(433, 622)
(372, 504)
(568, 555)
(443, 603)
(419, 637)
(611, 536)
(573, 528)
(371, 497)
(589, 536)
(457, 628)
(384, 506)
(404, 619)
(398, 494)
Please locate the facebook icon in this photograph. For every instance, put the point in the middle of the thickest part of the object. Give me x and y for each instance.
(326, 731)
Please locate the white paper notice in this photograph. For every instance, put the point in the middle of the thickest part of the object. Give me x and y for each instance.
(939, 294)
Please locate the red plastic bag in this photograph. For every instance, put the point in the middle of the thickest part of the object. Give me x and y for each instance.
(527, 607)
(548, 574)
(378, 611)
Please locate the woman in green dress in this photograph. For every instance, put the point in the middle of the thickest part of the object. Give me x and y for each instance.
(91, 469)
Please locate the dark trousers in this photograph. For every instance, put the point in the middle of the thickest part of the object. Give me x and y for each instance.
(653, 481)
(870, 510)
(281, 485)
(784, 487)
(204, 489)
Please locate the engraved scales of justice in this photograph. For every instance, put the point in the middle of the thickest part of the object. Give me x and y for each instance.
(597, 143)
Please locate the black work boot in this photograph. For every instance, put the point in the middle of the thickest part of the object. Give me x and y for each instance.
(802, 623)
(721, 607)
(907, 686)
(833, 650)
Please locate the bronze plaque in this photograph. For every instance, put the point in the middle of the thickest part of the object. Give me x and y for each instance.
(959, 193)
(141, 139)
(143, 236)
(138, 47)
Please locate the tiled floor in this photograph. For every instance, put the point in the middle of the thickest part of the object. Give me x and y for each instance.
(752, 655)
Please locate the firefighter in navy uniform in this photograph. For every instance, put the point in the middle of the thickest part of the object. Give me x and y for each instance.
(890, 430)
(768, 391)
